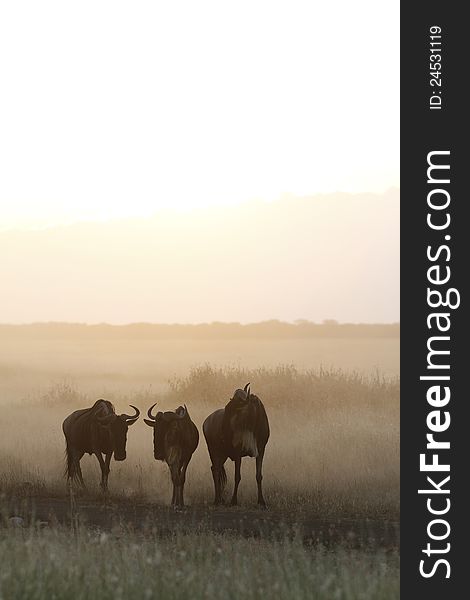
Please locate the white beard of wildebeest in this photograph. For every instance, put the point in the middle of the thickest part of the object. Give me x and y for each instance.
(173, 455)
(243, 438)
(173, 449)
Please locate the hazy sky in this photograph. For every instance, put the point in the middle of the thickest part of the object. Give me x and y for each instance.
(318, 257)
(113, 108)
(128, 114)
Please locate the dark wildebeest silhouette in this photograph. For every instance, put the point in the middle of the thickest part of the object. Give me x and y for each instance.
(97, 430)
(240, 429)
(175, 438)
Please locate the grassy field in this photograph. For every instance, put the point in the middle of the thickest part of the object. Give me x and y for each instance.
(54, 564)
(333, 455)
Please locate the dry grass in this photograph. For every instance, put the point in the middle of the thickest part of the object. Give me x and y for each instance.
(53, 563)
(334, 443)
(122, 366)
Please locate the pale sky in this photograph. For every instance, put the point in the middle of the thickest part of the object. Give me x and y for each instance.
(320, 257)
(117, 109)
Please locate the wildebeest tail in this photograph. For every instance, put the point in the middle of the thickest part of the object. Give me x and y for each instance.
(71, 466)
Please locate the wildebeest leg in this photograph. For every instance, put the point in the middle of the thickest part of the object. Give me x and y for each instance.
(80, 475)
(259, 478)
(218, 474)
(73, 505)
(174, 471)
(182, 482)
(238, 464)
(104, 471)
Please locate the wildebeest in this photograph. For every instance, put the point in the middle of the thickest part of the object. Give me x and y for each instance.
(240, 429)
(97, 430)
(175, 438)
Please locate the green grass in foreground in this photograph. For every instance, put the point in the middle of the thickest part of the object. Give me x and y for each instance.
(55, 564)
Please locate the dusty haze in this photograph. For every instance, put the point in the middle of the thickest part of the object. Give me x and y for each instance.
(325, 256)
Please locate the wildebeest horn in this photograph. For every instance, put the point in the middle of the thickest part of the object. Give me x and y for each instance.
(247, 390)
(149, 412)
(133, 417)
(183, 413)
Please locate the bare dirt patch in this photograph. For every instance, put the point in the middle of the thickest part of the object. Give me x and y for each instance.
(243, 521)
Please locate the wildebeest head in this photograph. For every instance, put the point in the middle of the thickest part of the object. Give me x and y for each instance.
(117, 426)
(239, 421)
(166, 426)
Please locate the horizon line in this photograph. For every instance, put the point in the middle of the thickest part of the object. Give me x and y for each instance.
(295, 323)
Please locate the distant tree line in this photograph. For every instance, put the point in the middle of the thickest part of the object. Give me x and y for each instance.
(272, 329)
